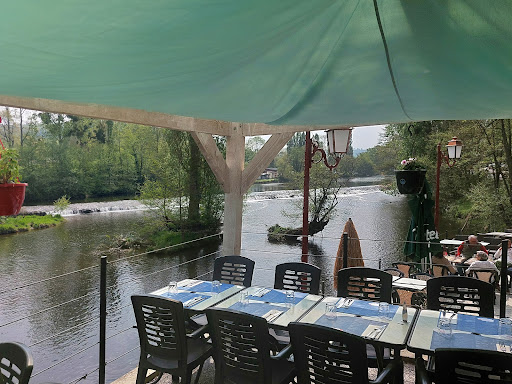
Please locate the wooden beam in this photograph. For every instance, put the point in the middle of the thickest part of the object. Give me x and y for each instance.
(155, 119)
(263, 158)
(213, 156)
(128, 115)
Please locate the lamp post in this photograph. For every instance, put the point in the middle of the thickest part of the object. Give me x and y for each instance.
(338, 141)
(454, 150)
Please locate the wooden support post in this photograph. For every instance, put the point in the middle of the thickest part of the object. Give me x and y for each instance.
(233, 200)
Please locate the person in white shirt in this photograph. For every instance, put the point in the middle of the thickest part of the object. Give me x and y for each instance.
(497, 255)
(481, 263)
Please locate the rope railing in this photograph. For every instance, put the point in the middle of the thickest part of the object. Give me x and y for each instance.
(95, 293)
(120, 308)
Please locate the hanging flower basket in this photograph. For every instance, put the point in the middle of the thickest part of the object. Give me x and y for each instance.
(12, 196)
(410, 182)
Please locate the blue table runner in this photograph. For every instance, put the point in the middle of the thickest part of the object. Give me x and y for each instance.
(257, 309)
(366, 308)
(352, 325)
(205, 287)
(278, 296)
(184, 296)
(463, 340)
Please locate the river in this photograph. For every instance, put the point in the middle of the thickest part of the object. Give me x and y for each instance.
(48, 305)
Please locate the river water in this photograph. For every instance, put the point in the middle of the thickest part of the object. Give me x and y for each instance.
(49, 291)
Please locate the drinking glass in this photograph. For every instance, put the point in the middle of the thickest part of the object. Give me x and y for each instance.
(173, 287)
(384, 310)
(290, 298)
(505, 329)
(330, 310)
(445, 327)
(215, 287)
(244, 298)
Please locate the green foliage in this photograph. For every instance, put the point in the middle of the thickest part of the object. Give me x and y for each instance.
(9, 166)
(13, 224)
(410, 164)
(61, 204)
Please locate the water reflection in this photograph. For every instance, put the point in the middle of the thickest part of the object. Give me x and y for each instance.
(72, 324)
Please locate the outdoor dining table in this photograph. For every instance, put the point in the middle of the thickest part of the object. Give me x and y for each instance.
(459, 331)
(198, 295)
(459, 242)
(410, 284)
(271, 304)
(362, 318)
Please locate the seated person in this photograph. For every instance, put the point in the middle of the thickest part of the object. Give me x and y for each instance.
(481, 263)
(497, 255)
(439, 259)
(469, 247)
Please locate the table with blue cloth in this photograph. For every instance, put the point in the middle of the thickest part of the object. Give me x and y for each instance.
(467, 331)
(198, 295)
(361, 317)
(272, 304)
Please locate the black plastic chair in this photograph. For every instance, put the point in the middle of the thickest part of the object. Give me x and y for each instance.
(164, 344)
(301, 277)
(326, 355)
(16, 363)
(365, 284)
(467, 366)
(403, 266)
(394, 272)
(236, 270)
(461, 294)
(241, 350)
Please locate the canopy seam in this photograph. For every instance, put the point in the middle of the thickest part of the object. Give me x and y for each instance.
(390, 69)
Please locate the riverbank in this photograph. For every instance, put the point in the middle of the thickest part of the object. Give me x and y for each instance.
(22, 223)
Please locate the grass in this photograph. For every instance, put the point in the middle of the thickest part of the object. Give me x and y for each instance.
(23, 223)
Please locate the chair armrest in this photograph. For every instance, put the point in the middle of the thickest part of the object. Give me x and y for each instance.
(284, 353)
(198, 332)
(421, 372)
(386, 375)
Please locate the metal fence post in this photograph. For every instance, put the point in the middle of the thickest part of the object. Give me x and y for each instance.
(503, 289)
(345, 249)
(103, 317)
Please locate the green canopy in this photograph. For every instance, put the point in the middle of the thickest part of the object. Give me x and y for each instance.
(295, 62)
(422, 237)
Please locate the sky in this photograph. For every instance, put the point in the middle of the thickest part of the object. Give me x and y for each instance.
(366, 137)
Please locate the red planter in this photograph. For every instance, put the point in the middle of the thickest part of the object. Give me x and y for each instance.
(11, 198)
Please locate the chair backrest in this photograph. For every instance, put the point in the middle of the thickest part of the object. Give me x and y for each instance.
(16, 363)
(461, 237)
(233, 270)
(394, 272)
(326, 355)
(302, 277)
(241, 347)
(461, 294)
(487, 275)
(161, 327)
(439, 270)
(404, 267)
(365, 284)
(472, 366)
(422, 276)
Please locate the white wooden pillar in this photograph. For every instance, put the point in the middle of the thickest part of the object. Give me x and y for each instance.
(234, 195)
(234, 180)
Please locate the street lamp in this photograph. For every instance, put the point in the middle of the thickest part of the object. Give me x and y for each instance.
(338, 141)
(454, 150)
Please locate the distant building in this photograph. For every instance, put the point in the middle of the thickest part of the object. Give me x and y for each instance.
(269, 173)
